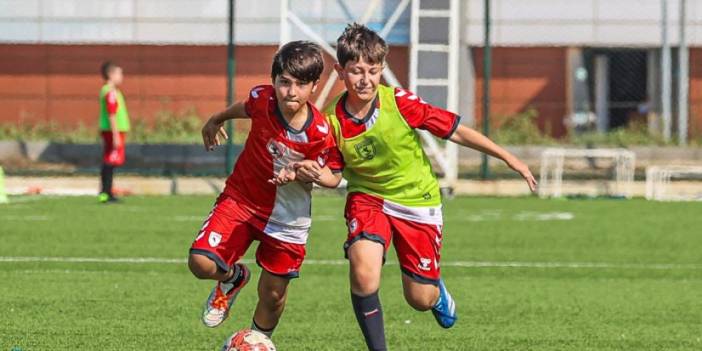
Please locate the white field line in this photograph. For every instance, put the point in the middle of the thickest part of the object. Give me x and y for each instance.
(475, 217)
(24, 218)
(468, 264)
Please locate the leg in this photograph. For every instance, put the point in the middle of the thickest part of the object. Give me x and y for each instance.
(366, 261)
(204, 267)
(418, 247)
(106, 175)
(221, 242)
(272, 294)
(421, 296)
(280, 262)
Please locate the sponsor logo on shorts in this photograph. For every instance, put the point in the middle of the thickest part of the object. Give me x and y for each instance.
(214, 239)
(424, 264)
(353, 225)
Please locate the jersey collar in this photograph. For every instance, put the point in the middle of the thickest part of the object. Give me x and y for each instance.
(350, 116)
(287, 126)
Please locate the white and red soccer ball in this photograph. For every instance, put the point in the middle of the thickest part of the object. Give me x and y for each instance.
(248, 340)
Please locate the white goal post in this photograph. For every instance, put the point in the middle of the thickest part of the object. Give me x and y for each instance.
(660, 185)
(553, 165)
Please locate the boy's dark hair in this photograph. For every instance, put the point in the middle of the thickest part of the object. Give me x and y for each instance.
(359, 41)
(302, 59)
(106, 68)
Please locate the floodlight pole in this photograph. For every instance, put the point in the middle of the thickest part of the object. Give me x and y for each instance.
(229, 153)
(666, 79)
(487, 68)
(683, 79)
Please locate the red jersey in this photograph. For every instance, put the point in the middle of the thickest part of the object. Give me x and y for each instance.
(271, 145)
(415, 111)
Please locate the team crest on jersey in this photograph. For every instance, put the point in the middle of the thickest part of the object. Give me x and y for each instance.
(366, 149)
(424, 264)
(275, 149)
(214, 239)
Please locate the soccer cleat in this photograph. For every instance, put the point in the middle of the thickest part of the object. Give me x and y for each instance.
(103, 198)
(445, 309)
(218, 303)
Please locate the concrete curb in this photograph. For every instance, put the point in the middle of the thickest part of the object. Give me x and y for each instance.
(181, 158)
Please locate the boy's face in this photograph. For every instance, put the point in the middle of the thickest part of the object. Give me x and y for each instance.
(361, 78)
(291, 93)
(116, 75)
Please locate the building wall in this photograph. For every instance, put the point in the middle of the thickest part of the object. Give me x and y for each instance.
(60, 83)
(524, 78)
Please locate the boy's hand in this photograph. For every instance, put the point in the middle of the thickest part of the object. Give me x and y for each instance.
(521, 168)
(285, 176)
(308, 171)
(211, 133)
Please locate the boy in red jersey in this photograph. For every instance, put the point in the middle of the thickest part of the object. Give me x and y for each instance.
(261, 201)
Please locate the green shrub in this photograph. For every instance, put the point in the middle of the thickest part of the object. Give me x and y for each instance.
(519, 129)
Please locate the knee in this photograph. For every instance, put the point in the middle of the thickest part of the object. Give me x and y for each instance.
(201, 266)
(364, 282)
(272, 296)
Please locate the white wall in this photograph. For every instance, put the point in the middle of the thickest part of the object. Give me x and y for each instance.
(580, 22)
(177, 21)
(516, 22)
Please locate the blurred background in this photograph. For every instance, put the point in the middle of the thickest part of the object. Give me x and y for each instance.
(566, 74)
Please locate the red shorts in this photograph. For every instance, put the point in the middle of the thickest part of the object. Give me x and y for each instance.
(230, 229)
(110, 155)
(418, 245)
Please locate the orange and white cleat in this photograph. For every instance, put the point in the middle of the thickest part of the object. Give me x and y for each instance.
(221, 299)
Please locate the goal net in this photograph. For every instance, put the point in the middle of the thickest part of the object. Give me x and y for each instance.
(674, 183)
(587, 172)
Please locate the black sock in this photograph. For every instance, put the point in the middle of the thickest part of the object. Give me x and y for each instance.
(235, 279)
(266, 332)
(106, 175)
(369, 315)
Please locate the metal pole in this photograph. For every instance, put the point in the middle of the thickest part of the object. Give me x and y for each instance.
(683, 79)
(487, 68)
(229, 154)
(666, 79)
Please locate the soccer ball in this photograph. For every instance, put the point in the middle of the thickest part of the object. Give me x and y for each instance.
(248, 340)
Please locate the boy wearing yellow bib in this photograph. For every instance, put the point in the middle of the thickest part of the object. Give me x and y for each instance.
(114, 125)
(393, 191)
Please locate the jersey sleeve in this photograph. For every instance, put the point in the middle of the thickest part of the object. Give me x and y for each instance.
(111, 102)
(335, 161)
(422, 115)
(257, 102)
(326, 144)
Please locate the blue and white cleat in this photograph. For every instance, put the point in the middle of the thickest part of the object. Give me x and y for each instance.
(445, 309)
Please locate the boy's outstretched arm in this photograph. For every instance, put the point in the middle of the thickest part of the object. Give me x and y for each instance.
(214, 127)
(470, 138)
